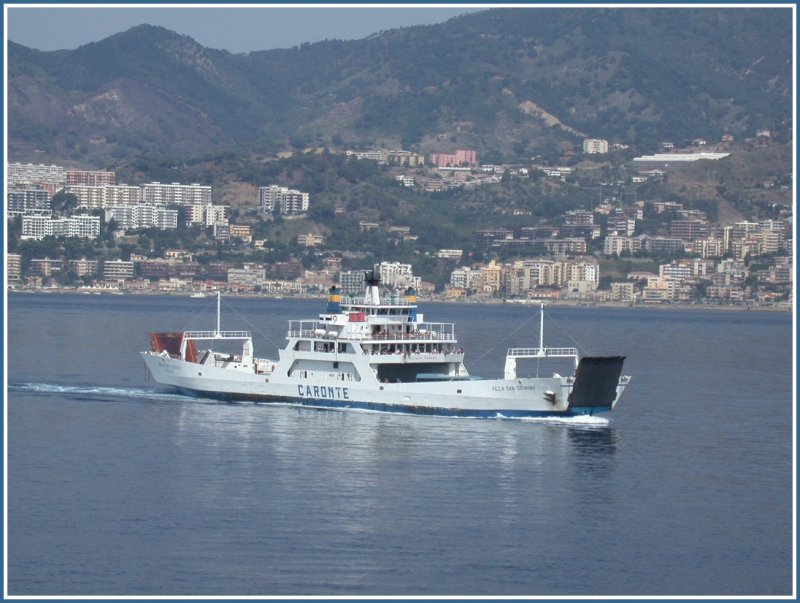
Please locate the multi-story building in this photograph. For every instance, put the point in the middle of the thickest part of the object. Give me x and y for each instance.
(248, 277)
(395, 274)
(623, 293)
(709, 248)
(118, 270)
(310, 239)
(617, 245)
(131, 217)
(49, 177)
(13, 267)
(595, 146)
(351, 282)
(688, 230)
(585, 231)
(40, 226)
(664, 245)
(105, 195)
(402, 158)
(294, 203)
(156, 193)
(570, 246)
(491, 277)
(46, 266)
(457, 159)
(36, 226)
(208, 215)
(464, 278)
(90, 178)
(24, 199)
(241, 231)
(490, 235)
(621, 225)
(84, 267)
(579, 216)
(290, 201)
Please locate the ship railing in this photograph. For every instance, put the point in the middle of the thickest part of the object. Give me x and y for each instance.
(542, 353)
(352, 302)
(217, 335)
(431, 331)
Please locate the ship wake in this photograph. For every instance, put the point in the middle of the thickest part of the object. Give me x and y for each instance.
(95, 391)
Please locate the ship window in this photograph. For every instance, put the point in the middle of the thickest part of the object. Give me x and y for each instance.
(458, 391)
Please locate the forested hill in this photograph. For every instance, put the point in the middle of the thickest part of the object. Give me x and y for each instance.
(508, 82)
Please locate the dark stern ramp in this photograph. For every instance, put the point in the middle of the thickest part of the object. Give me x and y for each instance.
(596, 381)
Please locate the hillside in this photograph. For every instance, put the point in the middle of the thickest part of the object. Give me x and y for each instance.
(509, 82)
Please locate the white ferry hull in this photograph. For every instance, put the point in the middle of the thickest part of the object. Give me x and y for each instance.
(520, 397)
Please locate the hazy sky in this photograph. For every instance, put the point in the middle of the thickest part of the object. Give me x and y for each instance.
(241, 28)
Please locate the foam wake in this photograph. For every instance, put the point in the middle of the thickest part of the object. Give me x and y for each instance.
(580, 420)
(94, 390)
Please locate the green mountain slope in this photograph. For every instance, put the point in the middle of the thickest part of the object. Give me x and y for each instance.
(495, 80)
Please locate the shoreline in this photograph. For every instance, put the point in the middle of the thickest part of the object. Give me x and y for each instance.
(486, 302)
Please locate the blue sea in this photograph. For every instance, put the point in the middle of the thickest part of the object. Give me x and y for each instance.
(117, 487)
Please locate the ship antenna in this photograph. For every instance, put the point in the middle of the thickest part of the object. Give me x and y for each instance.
(219, 298)
(541, 328)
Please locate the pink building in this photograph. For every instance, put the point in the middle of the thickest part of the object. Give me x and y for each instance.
(457, 159)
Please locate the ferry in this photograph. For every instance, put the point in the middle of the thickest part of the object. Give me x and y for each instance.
(380, 354)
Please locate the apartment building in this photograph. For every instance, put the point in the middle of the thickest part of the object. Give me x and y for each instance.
(459, 158)
(156, 193)
(13, 267)
(240, 231)
(105, 195)
(39, 226)
(310, 239)
(46, 266)
(593, 146)
(395, 274)
(290, 201)
(90, 178)
(84, 267)
(52, 177)
(25, 199)
(117, 270)
(623, 293)
(247, 277)
(207, 215)
(131, 217)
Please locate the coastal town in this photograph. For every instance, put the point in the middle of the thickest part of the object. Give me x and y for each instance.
(82, 230)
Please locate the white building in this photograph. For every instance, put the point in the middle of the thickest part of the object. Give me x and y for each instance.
(593, 146)
(290, 201)
(208, 215)
(131, 217)
(106, 195)
(37, 227)
(464, 278)
(395, 274)
(155, 193)
(28, 173)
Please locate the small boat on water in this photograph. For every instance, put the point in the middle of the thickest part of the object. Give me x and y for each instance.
(380, 354)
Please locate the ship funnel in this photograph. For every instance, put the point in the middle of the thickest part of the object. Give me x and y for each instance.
(333, 300)
(411, 295)
(372, 281)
